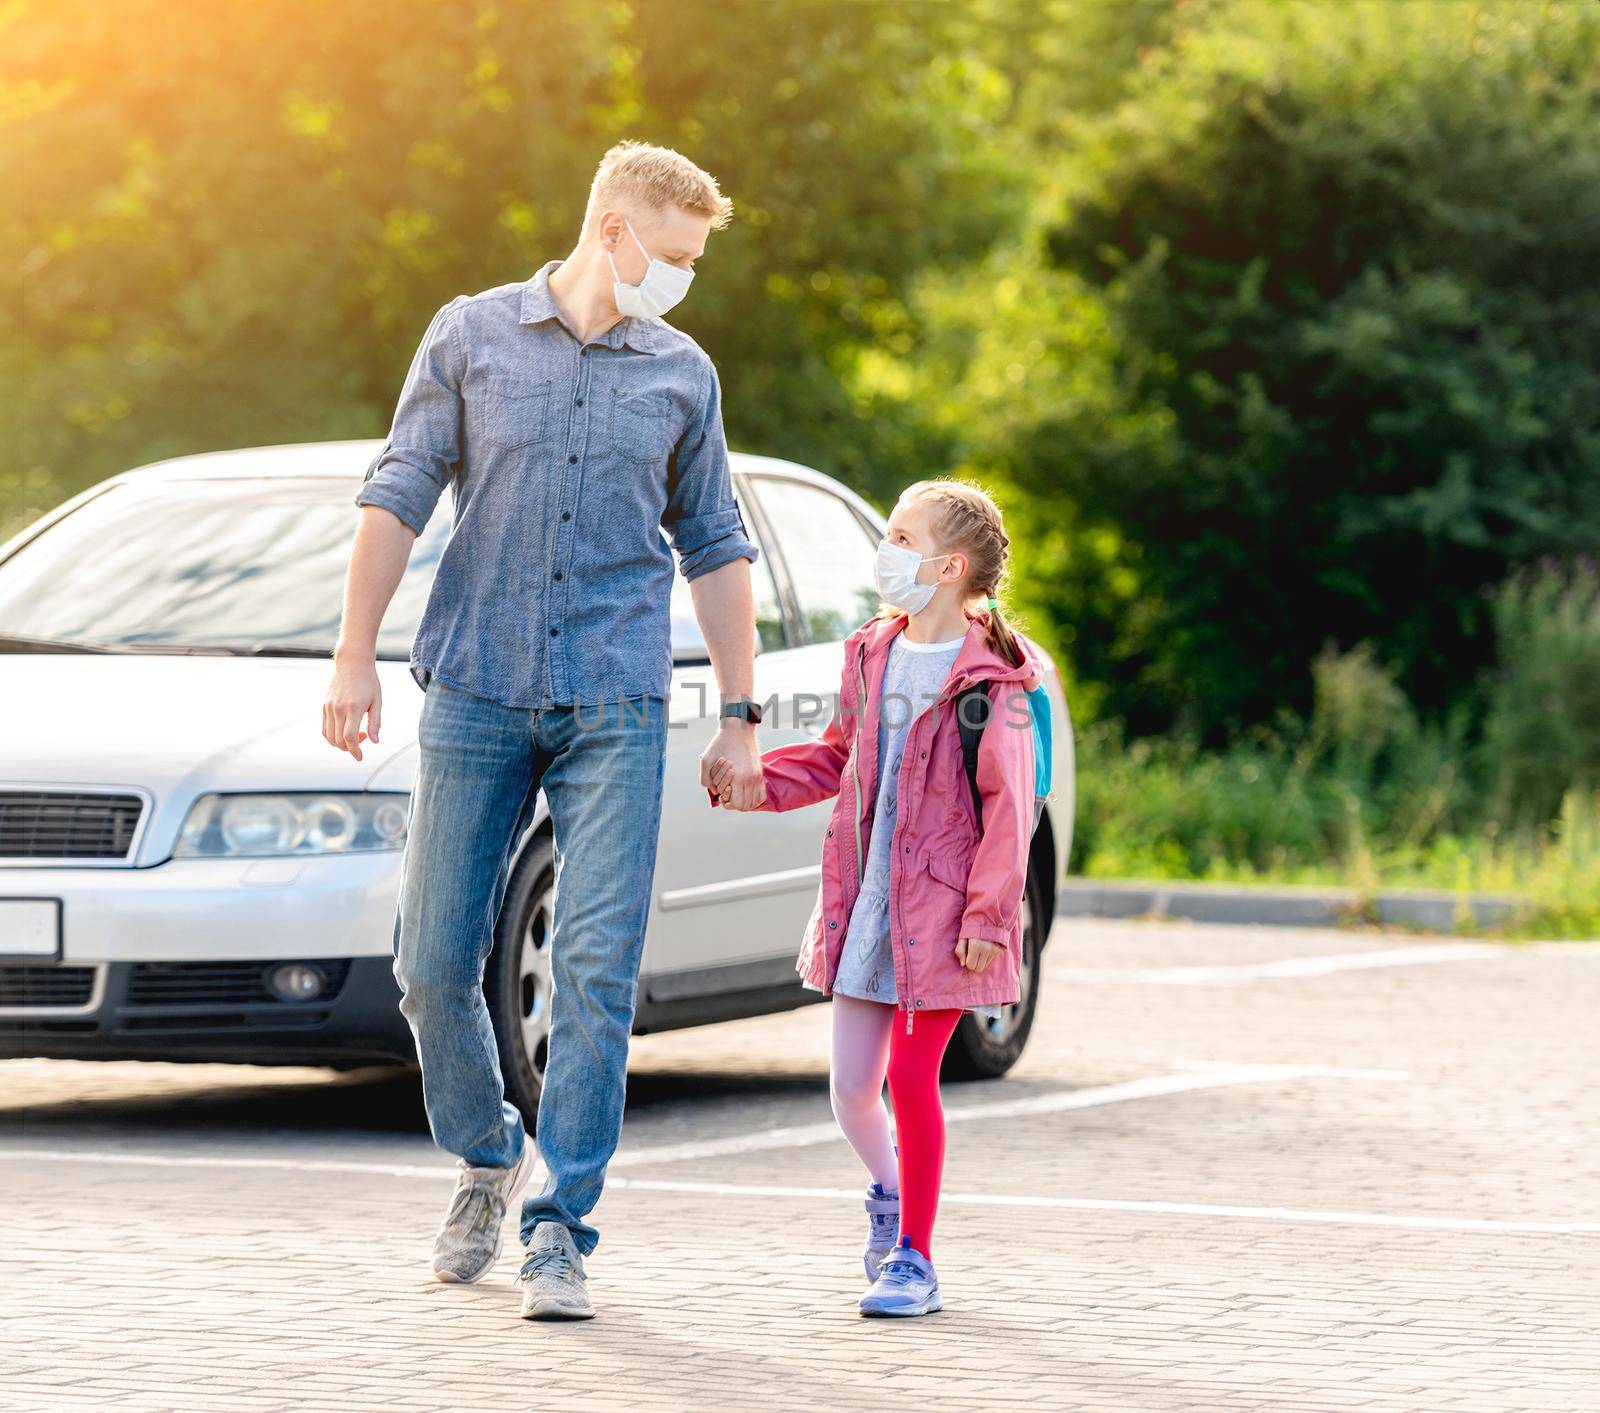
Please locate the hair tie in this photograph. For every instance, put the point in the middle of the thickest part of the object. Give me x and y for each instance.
(994, 604)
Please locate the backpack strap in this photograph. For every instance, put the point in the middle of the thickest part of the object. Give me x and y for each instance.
(972, 715)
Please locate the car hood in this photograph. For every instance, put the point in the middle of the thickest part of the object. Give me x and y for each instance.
(181, 726)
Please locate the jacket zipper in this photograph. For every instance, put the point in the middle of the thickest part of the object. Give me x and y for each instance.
(855, 775)
(861, 706)
(861, 701)
(855, 771)
(911, 999)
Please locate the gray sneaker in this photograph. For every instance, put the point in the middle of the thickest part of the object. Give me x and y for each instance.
(468, 1243)
(883, 1227)
(552, 1277)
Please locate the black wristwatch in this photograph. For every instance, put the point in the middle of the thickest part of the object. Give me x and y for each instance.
(744, 710)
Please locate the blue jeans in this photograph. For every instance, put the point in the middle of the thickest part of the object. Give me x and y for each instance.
(481, 767)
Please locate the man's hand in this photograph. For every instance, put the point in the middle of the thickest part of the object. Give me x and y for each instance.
(975, 954)
(354, 692)
(377, 560)
(730, 767)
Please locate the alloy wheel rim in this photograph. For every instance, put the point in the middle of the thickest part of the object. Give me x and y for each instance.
(534, 982)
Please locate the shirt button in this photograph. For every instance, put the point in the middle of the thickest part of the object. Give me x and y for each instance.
(583, 352)
(555, 632)
(580, 402)
(912, 941)
(833, 924)
(566, 515)
(557, 576)
(572, 461)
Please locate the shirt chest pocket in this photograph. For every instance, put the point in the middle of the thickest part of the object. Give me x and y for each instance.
(644, 426)
(509, 412)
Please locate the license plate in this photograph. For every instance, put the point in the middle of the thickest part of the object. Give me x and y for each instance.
(30, 927)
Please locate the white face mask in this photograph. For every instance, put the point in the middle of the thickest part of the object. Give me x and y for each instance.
(896, 572)
(663, 285)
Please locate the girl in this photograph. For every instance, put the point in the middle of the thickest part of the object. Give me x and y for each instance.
(919, 914)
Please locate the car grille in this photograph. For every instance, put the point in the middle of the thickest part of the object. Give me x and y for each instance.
(56, 824)
(27, 986)
(220, 985)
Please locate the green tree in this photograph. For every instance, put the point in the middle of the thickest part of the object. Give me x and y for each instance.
(234, 220)
(1303, 343)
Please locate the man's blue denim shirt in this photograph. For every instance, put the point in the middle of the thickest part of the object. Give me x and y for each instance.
(567, 459)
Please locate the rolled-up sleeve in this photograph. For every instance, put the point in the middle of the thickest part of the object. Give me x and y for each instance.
(702, 519)
(424, 447)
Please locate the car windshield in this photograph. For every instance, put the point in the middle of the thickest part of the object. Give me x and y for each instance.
(241, 566)
(244, 566)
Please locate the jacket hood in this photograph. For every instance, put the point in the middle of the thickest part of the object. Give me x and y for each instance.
(976, 662)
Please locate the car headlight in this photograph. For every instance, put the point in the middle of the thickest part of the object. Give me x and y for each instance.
(253, 826)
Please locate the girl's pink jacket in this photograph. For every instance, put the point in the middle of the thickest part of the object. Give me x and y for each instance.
(947, 881)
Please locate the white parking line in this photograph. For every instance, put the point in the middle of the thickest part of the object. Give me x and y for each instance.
(437, 1173)
(89, 1158)
(1229, 972)
(1204, 1074)
(795, 1136)
(1111, 1204)
(804, 1135)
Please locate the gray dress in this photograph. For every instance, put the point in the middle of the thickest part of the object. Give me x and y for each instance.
(912, 678)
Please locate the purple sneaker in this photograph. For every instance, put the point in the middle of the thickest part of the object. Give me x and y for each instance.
(906, 1285)
(883, 1227)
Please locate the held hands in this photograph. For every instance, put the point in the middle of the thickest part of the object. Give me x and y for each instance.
(731, 768)
(722, 783)
(975, 954)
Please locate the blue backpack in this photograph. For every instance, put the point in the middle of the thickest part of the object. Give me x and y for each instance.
(973, 706)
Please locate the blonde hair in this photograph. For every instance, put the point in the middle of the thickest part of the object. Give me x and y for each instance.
(644, 177)
(963, 517)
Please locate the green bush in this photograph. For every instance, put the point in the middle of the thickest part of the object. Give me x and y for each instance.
(1542, 734)
(1361, 780)
(1305, 344)
(1363, 796)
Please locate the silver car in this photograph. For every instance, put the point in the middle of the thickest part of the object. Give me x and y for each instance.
(188, 872)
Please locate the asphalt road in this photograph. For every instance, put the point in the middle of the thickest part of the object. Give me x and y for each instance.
(1238, 1168)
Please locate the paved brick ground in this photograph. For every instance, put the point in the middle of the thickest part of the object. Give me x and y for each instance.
(1290, 1238)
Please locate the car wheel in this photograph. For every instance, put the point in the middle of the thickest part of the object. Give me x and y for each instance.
(517, 980)
(984, 1048)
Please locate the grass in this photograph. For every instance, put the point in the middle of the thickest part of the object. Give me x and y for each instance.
(1276, 810)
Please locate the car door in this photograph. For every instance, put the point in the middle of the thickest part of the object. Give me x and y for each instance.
(733, 891)
(712, 925)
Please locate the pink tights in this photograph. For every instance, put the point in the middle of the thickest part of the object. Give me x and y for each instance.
(869, 1042)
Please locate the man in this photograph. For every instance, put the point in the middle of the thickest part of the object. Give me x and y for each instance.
(572, 424)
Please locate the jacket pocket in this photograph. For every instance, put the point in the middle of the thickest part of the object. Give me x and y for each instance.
(943, 896)
(949, 869)
(509, 412)
(643, 426)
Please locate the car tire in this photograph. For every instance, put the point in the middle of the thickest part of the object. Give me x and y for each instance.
(986, 1049)
(517, 982)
